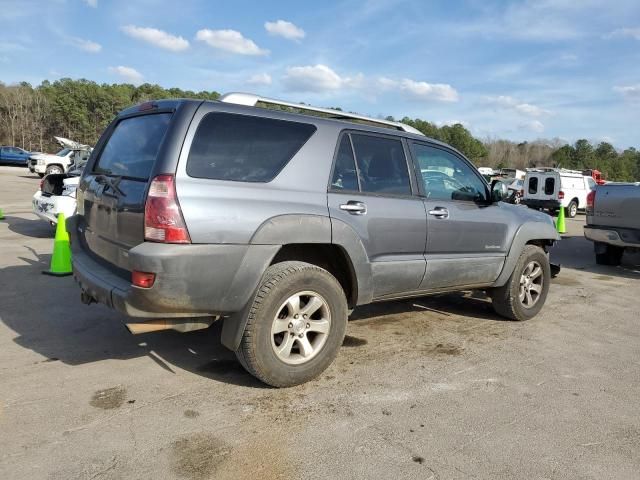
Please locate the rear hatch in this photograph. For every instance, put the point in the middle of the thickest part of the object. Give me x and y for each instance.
(111, 197)
(541, 186)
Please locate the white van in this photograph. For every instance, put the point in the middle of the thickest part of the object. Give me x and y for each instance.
(552, 188)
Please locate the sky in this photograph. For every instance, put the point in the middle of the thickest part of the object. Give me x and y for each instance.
(519, 70)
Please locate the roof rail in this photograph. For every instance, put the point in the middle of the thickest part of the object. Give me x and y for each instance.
(251, 100)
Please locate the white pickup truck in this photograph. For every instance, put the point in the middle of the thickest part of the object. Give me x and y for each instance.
(71, 155)
(613, 221)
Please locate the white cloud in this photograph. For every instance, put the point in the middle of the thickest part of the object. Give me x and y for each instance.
(441, 92)
(230, 41)
(92, 3)
(417, 90)
(157, 37)
(282, 28)
(533, 126)
(260, 79)
(129, 74)
(86, 45)
(625, 32)
(316, 78)
(631, 92)
(527, 109)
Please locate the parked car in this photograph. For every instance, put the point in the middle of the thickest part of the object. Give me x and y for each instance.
(516, 191)
(279, 224)
(57, 194)
(552, 188)
(14, 155)
(72, 154)
(613, 221)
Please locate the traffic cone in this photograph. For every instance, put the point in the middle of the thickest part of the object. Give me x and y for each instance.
(1, 214)
(560, 226)
(61, 259)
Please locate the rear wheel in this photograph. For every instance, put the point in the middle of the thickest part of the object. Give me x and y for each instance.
(296, 325)
(608, 254)
(524, 294)
(572, 209)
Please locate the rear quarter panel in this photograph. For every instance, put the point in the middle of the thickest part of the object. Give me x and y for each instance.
(217, 211)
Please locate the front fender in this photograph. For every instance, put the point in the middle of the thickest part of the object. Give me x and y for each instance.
(526, 233)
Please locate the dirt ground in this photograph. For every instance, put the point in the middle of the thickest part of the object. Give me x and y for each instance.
(437, 387)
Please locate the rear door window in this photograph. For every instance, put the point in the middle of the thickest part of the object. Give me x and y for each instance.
(244, 148)
(549, 186)
(345, 175)
(533, 185)
(133, 146)
(382, 165)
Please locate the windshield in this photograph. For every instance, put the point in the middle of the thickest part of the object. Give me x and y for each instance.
(63, 153)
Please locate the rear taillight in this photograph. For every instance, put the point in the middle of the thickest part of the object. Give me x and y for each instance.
(143, 279)
(591, 201)
(163, 221)
(561, 195)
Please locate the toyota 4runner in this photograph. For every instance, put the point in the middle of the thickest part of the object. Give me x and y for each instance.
(279, 224)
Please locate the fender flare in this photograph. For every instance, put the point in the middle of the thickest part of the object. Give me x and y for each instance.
(525, 234)
(303, 228)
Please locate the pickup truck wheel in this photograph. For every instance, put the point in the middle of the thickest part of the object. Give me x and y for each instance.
(524, 294)
(295, 325)
(572, 209)
(53, 169)
(612, 255)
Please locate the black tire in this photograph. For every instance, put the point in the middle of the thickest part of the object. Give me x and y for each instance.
(41, 175)
(506, 299)
(51, 169)
(612, 255)
(572, 209)
(281, 281)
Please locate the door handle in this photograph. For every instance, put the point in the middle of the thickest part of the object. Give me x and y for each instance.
(354, 208)
(439, 212)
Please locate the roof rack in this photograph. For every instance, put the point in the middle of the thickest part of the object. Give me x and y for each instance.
(251, 100)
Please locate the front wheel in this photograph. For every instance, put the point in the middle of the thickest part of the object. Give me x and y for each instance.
(295, 325)
(572, 209)
(524, 294)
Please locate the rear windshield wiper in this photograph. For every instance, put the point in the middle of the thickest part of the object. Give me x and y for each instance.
(112, 183)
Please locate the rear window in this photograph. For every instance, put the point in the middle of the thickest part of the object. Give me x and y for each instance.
(533, 185)
(549, 186)
(133, 146)
(244, 148)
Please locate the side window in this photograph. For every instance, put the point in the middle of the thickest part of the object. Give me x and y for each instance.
(382, 165)
(533, 185)
(243, 147)
(446, 176)
(345, 176)
(549, 186)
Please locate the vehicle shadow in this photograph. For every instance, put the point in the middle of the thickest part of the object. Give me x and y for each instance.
(577, 252)
(28, 227)
(57, 326)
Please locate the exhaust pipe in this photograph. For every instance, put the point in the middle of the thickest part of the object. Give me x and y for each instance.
(178, 324)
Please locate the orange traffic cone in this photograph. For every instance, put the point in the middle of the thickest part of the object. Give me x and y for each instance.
(61, 258)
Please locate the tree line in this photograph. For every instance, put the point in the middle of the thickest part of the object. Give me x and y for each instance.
(81, 110)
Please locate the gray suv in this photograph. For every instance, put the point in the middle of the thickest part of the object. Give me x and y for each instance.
(279, 224)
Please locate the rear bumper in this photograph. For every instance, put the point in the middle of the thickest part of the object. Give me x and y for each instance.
(547, 204)
(620, 237)
(191, 280)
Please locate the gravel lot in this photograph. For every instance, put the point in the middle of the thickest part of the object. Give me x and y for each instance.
(438, 387)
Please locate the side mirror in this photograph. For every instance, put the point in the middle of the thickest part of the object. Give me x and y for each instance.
(499, 191)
